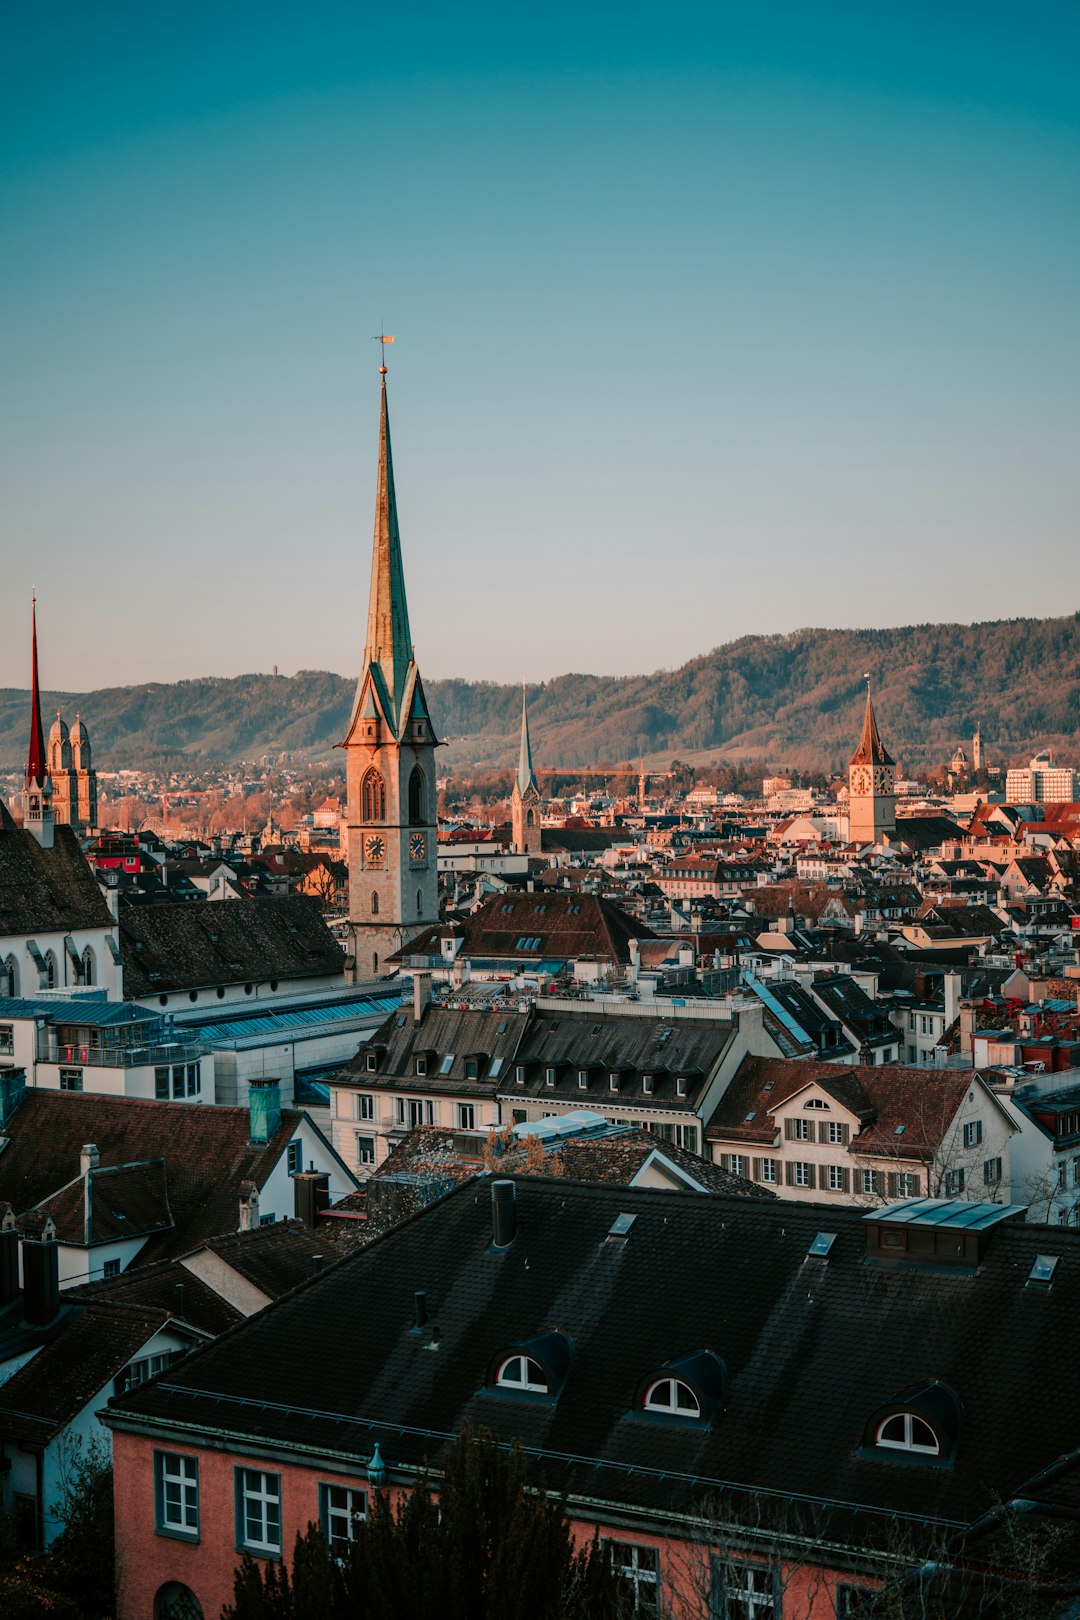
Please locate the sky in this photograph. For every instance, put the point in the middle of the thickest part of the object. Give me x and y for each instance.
(711, 320)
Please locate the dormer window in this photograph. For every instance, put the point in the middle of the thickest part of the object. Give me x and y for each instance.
(672, 1396)
(583, 1079)
(371, 1062)
(522, 1372)
(421, 1066)
(519, 1074)
(680, 1086)
(472, 1068)
(906, 1432)
(549, 1077)
(613, 1082)
(815, 1102)
(647, 1084)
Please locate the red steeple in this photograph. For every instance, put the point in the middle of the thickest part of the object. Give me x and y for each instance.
(35, 759)
(871, 749)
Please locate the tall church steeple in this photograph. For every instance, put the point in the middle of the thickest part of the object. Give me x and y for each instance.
(390, 830)
(525, 797)
(871, 796)
(37, 794)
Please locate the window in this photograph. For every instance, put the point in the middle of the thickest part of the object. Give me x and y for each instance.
(267, 1220)
(954, 1183)
(815, 1102)
(161, 1084)
(111, 1268)
(583, 1078)
(417, 797)
(340, 1506)
(466, 1117)
(738, 1164)
(49, 974)
(373, 797)
(685, 1136)
(1076, 1172)
(365, 1149)
(371, 1062)
(374, 902)
(973, 1133)
(88, 976)
(845, 1598)
(835, 1132)
(1061, 1175)
(680, 1086)
(549, 1077)
(176, 1495)
(992, 1172)
(745, 1592)
(258, 1511)
(869, 1181)
(801, 1176)
(907, 1185)
(519, 1073)
(768, 1170)
(365, 1106)
(294, 1158)
(835, 1181)
(799, 1130)
(613, 1082)
(524, 1373)
(671, 1395)
(419, 902)
(137, 1372)
(638, 1574)
(906, 1432)
(421, 1066)
(70, 1079)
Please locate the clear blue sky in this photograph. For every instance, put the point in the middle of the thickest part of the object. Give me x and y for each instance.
(711, 319)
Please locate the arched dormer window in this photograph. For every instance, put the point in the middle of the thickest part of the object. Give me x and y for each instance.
(535, 1366)
(686, 1390)
(672, 1396)
(88, 967)
(373, 796)
(417, 797)
(922, 1424)
(522, 1372)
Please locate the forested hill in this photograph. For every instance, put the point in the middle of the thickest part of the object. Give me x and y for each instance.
(792, 699)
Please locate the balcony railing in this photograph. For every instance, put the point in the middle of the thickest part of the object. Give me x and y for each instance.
(120, 1057)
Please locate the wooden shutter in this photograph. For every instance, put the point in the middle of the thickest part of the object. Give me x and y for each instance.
(756, 1169)
(845, 1133)
(892, 1186)
(845, 1179)
(813, 1176)
(915, 1193)
(789, 1173)
(823, 1131)
(725, 1161)
(789, 1130)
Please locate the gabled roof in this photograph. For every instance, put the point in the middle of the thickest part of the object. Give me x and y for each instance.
(192, 946)
(806, 1368)
(126, 1201)
(546, 927)
(47, 891)
(205, 1149)
(447, 1038)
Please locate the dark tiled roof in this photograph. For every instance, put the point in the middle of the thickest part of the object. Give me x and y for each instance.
(446, 1038)
(47, 890)
(565, 926)
(206, 1151)
(602, 1043)
(616, 1160)
(126, 1201)
(274, 1258)
(77, 1365)
(190, 946)
(924, 832)
(165, 1286)
(812, 1349)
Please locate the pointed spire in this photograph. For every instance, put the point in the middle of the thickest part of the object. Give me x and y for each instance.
(871, 749)
(526, 776)
(389, 644)
(35, 759)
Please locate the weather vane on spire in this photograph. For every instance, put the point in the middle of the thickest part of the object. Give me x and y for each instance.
(382, 338)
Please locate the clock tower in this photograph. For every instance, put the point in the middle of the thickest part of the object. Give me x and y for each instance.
(390, 830)
(871, 796)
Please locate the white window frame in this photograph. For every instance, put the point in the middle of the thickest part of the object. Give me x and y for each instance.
(258, 1503)
(768, 1171)
(665, 1395)
(869, 1180)
(973, 1133)
(835, 1178)
(363, 1156)
(365, 1106)
(637, 1568)
(750, 1591)
(340, 1506)
(911, 1425)
(800, 1173)
(176, 1495)
(738, 1164)
(516, 1372)
(466, 1116)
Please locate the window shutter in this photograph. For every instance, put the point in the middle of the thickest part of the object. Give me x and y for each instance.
(823, 1131)
(725, 1161)
(756, 1169)
(789, 1174)
(915, 1193)
(845, 1133)
(891, 1183)
(845, 1179)
(813, 1176)
(789, 1130)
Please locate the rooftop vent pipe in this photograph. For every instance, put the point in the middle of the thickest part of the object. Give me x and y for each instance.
(503, 1213)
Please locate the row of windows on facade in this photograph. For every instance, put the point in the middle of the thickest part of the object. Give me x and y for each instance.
(193, 995)
(742, 1590)
(373, 797)
(84, 971)
(841, 1178)
(835, 1132)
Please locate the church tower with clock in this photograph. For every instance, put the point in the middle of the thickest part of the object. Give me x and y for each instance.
(390, 830)
(871, 793)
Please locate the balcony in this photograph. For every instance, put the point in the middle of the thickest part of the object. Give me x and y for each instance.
(127, 1055)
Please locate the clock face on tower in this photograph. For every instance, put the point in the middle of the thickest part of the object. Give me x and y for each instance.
(860, 779)
(417, 846)
(374, 848)
(881, 782)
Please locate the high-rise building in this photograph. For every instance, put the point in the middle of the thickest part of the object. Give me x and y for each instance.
(525, 797)
(390, 831)
(1042, 782)
(871, 795)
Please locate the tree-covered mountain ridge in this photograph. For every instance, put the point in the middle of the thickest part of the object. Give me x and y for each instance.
(782, 699)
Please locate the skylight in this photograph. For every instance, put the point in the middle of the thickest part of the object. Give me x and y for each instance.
(1042, 1270)
(821, 1245)
(447, 1063)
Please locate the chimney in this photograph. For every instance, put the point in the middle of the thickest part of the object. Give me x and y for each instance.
(264, 1109)
(421, 987)
(420, 1305)
(41, 1276)
(89, 1158)
(9, 1256)
(503, 1213)
(249, 1206)
(311, 1195)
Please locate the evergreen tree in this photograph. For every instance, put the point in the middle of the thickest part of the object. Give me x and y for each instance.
(490, 1549)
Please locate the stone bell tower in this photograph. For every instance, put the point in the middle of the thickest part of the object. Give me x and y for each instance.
(871, 789)
(390, 831)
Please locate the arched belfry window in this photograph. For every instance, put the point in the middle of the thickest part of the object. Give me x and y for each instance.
(375, 903)
(373, 797)
(419, 902)
(88, 975)
(49, 974)
(417, 797)
(9, 977)
(529, 820)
